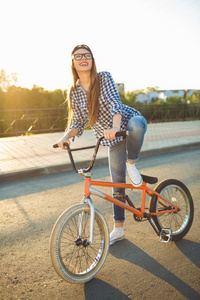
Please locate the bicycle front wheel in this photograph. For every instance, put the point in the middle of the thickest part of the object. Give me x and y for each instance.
(178, 194)
(72, 258)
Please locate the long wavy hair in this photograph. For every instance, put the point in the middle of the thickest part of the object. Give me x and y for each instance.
(93, 93)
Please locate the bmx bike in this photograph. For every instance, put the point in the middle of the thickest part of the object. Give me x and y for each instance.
(79, 241)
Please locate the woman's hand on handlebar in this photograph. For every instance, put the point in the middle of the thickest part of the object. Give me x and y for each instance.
(61, 143)
(65, 139)
(109, 134)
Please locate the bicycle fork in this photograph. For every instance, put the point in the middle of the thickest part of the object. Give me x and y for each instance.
(89, 201)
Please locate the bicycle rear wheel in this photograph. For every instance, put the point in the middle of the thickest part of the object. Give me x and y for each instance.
(178, 194)
(72, 258)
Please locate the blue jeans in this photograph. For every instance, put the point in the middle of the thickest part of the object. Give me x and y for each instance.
(129, 149)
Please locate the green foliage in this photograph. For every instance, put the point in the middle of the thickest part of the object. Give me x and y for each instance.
(13, 97)
(195, 98)
(131, 96)
(174, 99)
(151, 89)
(7, 80)
(23, 98)
(157, 102)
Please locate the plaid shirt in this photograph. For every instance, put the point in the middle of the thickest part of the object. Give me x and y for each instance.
(109, 105)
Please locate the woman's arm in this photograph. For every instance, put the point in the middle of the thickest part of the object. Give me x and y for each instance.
(109, 134)
(117, 121)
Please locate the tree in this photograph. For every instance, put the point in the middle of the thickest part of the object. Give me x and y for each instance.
(7, 80)
(150, 89)
(196, 97)
(132, 96)
(174, 99)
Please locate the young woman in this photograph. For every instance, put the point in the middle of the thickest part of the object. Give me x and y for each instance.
(94, 101)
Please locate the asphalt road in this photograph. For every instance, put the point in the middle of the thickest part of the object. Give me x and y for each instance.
(140, 267)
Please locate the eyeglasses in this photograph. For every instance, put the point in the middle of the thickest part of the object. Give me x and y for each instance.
(81, 55)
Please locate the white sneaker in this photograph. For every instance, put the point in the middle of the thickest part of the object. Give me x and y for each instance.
(134, 175)
(117, 235)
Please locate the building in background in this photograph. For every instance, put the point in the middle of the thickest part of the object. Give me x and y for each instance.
(121, 88)
(147, 97)
(163, 95)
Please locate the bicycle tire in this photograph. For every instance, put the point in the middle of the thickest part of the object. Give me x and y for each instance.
(177, 193)
(73, 260)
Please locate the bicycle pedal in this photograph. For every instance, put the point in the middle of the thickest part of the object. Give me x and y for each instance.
(165, 235)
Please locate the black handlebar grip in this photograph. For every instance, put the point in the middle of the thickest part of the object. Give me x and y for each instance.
(56, 145)
(122, 133)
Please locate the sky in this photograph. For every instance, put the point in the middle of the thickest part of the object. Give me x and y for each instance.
(142, 43)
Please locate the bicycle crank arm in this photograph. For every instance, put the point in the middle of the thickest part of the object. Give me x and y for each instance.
(165, 234)
(151, 221)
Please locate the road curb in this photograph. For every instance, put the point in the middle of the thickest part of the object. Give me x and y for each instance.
(55, 169)
(154, 152)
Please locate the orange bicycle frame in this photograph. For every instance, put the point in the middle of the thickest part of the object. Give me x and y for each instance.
(88, 190)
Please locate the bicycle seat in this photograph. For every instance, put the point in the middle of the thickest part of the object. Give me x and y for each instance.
(149, 179)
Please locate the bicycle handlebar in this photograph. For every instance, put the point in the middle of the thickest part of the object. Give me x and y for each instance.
(118, 134)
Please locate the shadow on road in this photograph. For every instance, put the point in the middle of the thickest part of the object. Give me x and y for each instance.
(99, 289)
(131, 253)
(191, 250)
